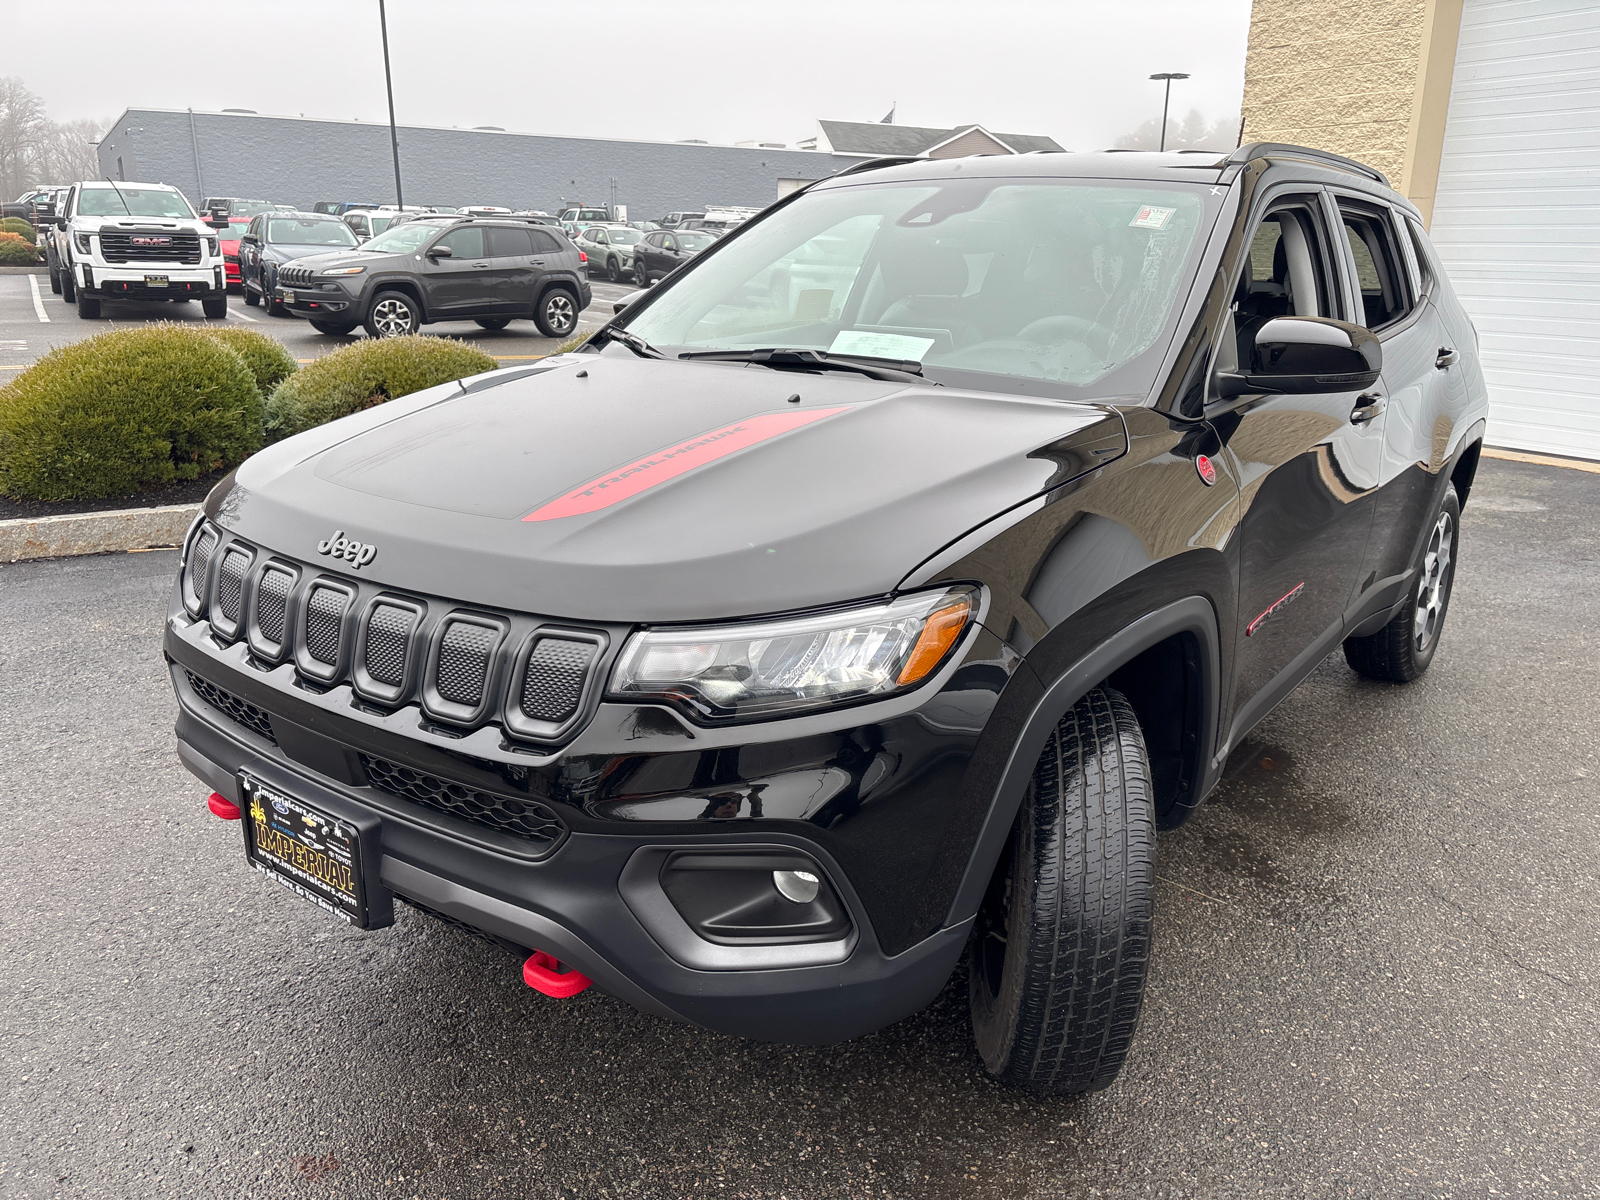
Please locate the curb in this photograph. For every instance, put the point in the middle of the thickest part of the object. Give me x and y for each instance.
(95, 532)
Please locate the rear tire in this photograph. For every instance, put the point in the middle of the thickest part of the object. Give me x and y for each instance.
(251, 298)
(214, 306)
(641, 276)
(614, 269)
(493, 323)
(55, 281)
(88, 307)
(557, 313)
(393, 314)
(69, 285)
(1061, 946)
(1403, 648)
(331, 328)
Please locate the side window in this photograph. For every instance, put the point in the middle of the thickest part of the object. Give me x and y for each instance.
(464, 242)
(1380, 270)
(543, 243)
(669, 242)
(509, 243)
(1286, 273)
(1424, 255)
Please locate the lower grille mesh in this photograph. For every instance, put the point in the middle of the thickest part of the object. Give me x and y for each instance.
(240, 712)
(522, 818)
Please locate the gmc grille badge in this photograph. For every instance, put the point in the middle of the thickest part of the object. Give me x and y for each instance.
(357, 554)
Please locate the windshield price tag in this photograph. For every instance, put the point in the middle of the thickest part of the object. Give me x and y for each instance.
(880, 345)
(1151, 217)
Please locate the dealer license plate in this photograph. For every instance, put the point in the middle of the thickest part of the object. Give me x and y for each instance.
(313, 854)
(286, 297)
(155, 281)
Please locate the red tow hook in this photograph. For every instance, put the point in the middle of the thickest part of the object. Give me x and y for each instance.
(543, 973)
(222, 807)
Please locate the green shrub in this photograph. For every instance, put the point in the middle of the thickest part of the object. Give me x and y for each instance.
(123, 410)
(367, 373)
(572, 343)
(14, 252)
(266, 357)
(19, 227)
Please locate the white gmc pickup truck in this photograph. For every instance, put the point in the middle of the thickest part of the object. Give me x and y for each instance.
(134, 241)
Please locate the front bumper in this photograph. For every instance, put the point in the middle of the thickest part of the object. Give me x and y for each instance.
(136, 281)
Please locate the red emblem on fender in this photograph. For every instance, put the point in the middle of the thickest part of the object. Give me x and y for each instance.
(672, 461)
(1207, 469)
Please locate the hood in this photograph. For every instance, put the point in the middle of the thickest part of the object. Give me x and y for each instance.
(641, 490)
(85, 224)
(319, 262)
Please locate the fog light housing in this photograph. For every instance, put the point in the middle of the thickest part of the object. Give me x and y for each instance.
(756, 898)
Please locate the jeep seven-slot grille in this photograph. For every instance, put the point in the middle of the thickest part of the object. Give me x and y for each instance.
(522, 818)
(388, 634)
(156, 245)
(240, 712)
(464, 657)
(230, 584)
(324, 620)
(294, 276)
(553, 683)
(272, 603)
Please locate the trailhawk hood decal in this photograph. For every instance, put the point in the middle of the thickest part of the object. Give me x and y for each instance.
(609, 488)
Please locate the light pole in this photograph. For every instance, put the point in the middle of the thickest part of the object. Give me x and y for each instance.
(1167, 76)
(394, 138)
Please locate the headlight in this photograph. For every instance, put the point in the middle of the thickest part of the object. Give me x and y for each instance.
(82, 240)
(774, 668)
(211, 247)
(343, 271)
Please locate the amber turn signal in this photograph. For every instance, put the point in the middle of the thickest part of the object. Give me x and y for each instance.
(940, 632)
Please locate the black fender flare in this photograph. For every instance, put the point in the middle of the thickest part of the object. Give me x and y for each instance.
(1192, 615)
(396, 283)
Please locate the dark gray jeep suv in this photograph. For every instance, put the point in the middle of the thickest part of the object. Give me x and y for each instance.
(448, 268)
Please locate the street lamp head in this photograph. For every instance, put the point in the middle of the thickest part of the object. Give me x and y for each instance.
(1170, 75)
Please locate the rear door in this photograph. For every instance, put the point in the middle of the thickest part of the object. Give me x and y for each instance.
(511, 271)
(460, 285)
(1308, 466)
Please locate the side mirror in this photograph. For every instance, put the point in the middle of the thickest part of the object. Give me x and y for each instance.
(439, 252)
(217, 222)
(618, 305)
(1301, 356)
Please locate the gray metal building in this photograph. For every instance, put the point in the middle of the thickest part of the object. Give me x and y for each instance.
(300, 160)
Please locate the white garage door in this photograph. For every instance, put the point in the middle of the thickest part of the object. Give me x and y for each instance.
(1517, 218)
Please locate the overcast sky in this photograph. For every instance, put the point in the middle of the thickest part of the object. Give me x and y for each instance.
(724, 71)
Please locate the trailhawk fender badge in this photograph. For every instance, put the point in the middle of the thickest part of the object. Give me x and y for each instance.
(1207, 469)
(1278, 605)
(671, 461)
(357, 554)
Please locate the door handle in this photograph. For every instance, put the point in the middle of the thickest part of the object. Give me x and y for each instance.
(1369, 409)
(1446, 358)
(538, 262)
(480, 266)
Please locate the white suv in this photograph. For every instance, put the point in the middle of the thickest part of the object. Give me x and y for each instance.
(135, 241)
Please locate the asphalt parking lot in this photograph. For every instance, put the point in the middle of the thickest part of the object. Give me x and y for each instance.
(1376, 972)
(29, 329)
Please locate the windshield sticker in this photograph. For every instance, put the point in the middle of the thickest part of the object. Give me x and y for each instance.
(672, 461)
(1151, 217)
(880, 345)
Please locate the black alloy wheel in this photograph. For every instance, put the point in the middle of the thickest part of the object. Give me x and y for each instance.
(1403, 648)
(393, 314)
(492, 323)
(1061, 947)
(557, 314)
(614, 269)
(641, 274)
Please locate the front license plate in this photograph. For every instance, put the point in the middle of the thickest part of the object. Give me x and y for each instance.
(286, 297)
(155, 281)
(315, 855)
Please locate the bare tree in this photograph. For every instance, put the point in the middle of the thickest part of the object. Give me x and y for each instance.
(22, 126)
(68, 152)
(1193, 132)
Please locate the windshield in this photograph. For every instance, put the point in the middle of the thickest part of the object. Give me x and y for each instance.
(140, 202)
(310, 233)
(623, 237)
(403, 239)
(234, 231)
(1056, 281)
(694, 241)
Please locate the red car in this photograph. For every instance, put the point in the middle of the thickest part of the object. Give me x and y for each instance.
(230, 249)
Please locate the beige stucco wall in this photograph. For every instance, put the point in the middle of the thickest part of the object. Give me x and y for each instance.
(1366, 78)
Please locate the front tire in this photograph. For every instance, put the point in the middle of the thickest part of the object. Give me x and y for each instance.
(614, 269)
(251, 298)
(1403, 648)
(88, 307)
(69, 285)
(214, 306)
(269, 298)
(557, 313)
(1062, 943)
(393, 314)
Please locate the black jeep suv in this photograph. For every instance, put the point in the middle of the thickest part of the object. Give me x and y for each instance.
(865, 596)
(492, 271)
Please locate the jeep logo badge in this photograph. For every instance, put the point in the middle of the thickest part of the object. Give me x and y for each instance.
(357, 554)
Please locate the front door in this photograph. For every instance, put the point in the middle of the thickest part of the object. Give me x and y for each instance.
(1308, 465)
(511, 270)
(462, 283)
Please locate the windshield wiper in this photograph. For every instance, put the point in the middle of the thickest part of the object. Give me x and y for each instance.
(893, 369)
(632, 341)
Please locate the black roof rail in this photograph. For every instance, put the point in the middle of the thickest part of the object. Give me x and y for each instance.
(1251, 151)
(873, 164)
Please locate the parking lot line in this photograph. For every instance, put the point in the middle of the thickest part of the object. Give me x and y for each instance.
(239, 316)
(38, 300)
